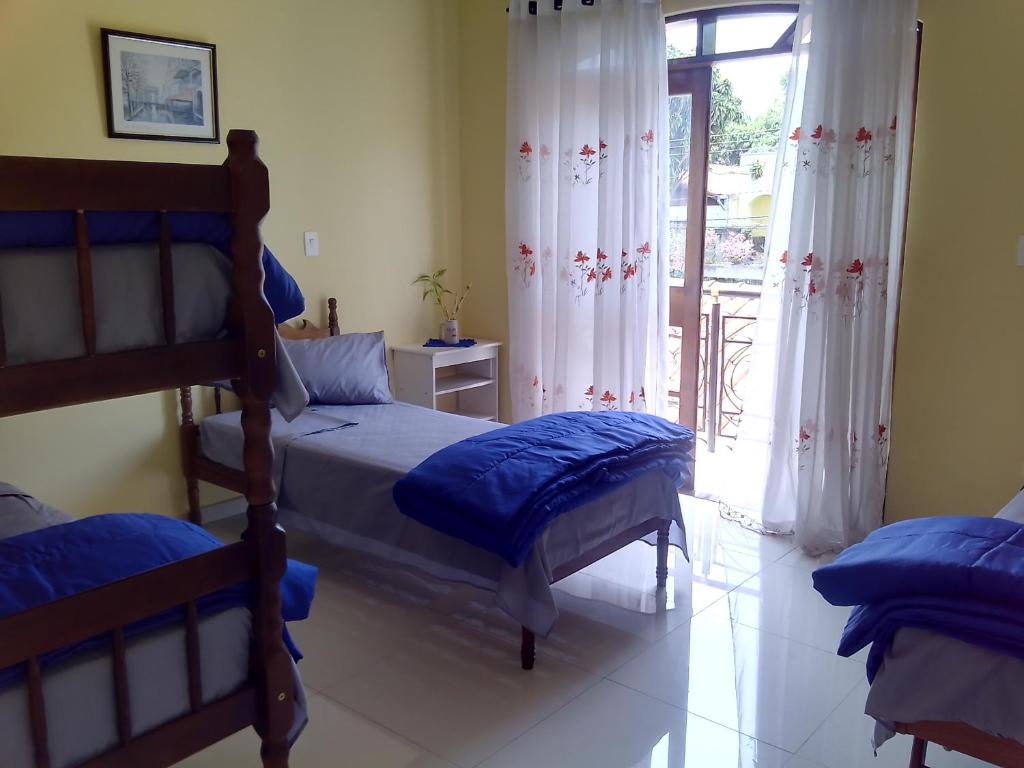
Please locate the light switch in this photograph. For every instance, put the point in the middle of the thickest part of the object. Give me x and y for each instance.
(312, 243)
(1020, 251)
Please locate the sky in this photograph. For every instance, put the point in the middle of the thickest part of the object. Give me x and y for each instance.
(757, 82)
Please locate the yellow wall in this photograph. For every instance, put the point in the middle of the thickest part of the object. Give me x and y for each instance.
(383, 125)
(958, 423)
(958, 415)
(357, 107)
(482, 43)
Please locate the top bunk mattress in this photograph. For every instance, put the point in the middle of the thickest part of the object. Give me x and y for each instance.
(40, 306)
(39, 291)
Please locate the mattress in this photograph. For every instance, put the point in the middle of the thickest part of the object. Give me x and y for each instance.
(81, 714)
(41, 308)
(927, 676)
(335, 467)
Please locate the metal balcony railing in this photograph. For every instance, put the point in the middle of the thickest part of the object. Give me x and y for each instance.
(727, 324)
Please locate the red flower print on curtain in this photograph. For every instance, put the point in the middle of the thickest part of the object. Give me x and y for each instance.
(525, 265)
(604, 272)
(598, 160)
(525, 161)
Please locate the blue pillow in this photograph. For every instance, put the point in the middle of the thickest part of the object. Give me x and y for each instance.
(350, 369)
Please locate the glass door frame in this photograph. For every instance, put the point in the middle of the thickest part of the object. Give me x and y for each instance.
(684, 301)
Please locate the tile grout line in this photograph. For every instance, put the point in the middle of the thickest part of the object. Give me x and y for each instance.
(402, 736)
(597, 681)
(821, 725)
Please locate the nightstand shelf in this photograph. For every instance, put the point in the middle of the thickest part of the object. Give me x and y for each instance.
(459, 382)
(462, 380)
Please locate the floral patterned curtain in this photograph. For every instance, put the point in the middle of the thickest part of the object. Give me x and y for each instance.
(822, 366)
(586, 206)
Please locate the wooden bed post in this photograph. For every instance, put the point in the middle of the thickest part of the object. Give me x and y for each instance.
(918, 752)
(189, 449)
(252, 316)
(333, 328)
(663, 542)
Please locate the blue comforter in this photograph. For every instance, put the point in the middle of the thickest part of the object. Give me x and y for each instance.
(501, 489)
(46, 565)
(57, 228)
(958, 576)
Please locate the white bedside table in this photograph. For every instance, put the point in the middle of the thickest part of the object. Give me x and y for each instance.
(469, 375)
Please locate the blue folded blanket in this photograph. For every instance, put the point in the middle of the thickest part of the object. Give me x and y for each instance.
(958, 576)
(34, 229)
(501, 489)
(46, 565)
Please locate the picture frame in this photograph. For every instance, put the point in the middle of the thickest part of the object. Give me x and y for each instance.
(160, 88)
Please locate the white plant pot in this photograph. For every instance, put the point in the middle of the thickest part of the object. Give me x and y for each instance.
(450, 331)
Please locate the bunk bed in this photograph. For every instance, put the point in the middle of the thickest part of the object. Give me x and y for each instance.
(242, 349)
(359, 452)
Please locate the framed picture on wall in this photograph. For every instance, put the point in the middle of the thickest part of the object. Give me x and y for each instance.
(160, 88)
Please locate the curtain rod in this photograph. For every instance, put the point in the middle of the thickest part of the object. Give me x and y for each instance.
(557, 5)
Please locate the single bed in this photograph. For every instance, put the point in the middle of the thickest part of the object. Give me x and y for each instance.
(218, 673)
(951, 693)
(336, 467)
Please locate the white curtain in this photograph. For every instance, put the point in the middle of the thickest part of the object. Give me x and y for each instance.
(815, 432)
(586, 193)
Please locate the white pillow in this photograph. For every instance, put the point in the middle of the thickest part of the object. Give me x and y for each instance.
(21, 513)
(1014, 510)
(350, 369)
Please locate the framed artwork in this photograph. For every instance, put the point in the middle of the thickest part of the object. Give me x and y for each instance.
(160, 88)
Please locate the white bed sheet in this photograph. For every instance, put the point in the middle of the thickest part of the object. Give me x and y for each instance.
(335, 479)
(927, 676)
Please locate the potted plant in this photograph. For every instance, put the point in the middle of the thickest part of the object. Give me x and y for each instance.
(450, 308)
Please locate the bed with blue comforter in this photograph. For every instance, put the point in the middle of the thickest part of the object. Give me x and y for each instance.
(45, 555)
(940, 604)
(470, 501)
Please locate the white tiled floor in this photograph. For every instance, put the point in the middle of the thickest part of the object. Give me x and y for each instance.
(734, 667)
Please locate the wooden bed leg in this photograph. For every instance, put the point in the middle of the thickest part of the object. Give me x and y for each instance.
(662, 570)
(528, 649)
(917, 753)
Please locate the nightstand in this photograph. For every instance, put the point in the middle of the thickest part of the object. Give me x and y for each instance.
(465, 377)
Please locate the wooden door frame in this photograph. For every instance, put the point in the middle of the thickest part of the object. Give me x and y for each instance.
(684, 302)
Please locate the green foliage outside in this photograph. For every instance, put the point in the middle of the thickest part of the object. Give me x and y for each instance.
(732, 131)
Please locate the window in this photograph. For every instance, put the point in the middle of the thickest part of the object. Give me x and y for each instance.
(743, 31)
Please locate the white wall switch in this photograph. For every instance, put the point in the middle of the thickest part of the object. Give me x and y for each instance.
(1020, 251)
(312, 243)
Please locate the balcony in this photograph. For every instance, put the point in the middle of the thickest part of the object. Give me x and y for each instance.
(727, 325)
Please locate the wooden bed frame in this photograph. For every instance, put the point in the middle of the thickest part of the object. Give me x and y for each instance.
(197, 467)
(239, 188)
(962, 738)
